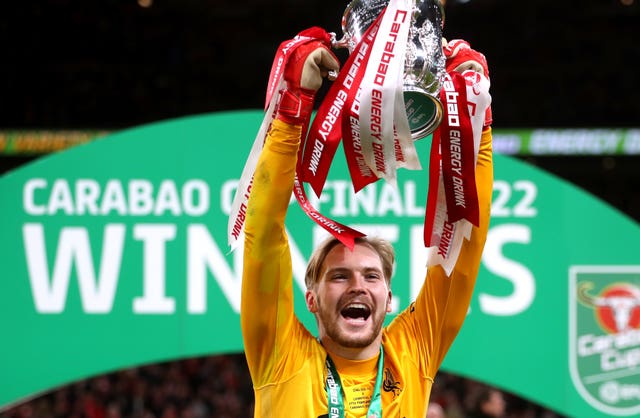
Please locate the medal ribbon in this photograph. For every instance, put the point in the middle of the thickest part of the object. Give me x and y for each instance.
(335, 392)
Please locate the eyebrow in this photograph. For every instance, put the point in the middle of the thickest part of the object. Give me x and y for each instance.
(345, 269)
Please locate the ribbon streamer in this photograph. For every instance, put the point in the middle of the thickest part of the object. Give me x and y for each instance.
(378, 101)
(235, 226)
(466, 98)
(365, 109)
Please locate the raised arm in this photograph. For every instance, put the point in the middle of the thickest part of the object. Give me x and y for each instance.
(267, 314)
(446, 300)
(442, 304)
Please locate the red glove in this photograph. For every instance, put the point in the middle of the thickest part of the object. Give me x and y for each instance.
(303, 73)
(460, 57)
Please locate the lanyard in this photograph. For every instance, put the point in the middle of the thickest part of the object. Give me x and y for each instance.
(335, 392)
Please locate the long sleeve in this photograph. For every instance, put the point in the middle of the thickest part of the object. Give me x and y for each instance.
(267, 312)
(442, 303)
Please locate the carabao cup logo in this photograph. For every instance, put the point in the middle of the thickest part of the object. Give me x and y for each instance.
(604, 337)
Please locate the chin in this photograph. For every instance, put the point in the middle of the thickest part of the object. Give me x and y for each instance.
(358, 337)
(357, 343)
(352, 341)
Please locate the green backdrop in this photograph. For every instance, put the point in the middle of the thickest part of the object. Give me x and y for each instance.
(114, 254)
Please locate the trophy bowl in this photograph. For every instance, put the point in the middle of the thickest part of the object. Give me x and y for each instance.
(424, 65)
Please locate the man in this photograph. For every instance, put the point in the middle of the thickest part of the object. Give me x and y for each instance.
(354, 367)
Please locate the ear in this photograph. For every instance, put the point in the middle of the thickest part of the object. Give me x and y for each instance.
(311, 300)
(389, 299)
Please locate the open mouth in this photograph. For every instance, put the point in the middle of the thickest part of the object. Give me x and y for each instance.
(356, 311)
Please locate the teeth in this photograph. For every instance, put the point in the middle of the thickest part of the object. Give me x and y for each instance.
(356, 310)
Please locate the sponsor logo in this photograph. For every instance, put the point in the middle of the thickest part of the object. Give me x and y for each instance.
(604, 336)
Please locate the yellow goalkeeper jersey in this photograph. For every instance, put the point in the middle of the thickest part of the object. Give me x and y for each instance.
(287, 363)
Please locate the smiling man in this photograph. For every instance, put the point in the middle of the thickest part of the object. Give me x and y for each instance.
(355, 367)
(350, 294)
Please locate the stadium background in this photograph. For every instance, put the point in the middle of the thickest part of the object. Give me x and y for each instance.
(114, 64)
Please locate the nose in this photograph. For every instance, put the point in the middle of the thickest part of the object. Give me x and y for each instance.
(357, 283)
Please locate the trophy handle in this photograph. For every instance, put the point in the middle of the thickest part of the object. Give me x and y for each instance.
(344, 42)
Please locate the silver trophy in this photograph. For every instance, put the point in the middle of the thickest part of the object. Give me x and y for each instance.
(424, 65)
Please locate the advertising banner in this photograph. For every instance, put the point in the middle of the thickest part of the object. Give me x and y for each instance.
(587, 142)
(114, 255)
(523, 142)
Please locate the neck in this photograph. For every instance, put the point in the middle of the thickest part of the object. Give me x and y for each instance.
(352, 353)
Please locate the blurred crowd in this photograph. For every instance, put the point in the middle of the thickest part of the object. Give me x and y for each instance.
(219, 386)
(193, 388)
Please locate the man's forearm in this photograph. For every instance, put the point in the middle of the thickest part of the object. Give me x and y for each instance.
(271, 187)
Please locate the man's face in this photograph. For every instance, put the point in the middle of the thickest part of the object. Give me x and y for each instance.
(351, 297)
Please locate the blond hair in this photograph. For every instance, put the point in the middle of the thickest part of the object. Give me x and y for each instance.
(382, 247)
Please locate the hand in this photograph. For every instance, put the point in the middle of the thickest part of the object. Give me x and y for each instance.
(304, 72)
(308, 65)
(460, 58)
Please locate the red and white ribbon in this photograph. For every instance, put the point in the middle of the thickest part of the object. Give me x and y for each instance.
(365, 108)
(452, 206)
(235, 226)
(337, 118)
(379, 99)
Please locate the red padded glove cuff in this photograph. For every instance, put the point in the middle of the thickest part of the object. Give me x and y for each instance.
(296, 107)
